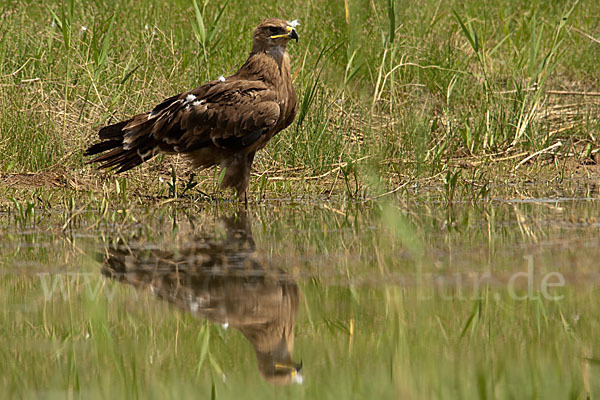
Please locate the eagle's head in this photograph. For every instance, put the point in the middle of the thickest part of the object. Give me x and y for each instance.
(274, 32)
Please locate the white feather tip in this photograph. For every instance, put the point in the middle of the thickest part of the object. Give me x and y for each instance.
(298, 379)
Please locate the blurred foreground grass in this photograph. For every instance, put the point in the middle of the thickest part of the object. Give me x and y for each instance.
(353, 342)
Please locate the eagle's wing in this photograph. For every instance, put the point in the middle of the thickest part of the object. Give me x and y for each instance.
(230, 115)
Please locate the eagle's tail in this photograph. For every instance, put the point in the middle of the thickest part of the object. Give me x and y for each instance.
(120, 156)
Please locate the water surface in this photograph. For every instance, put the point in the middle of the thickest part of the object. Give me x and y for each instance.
(312, 300)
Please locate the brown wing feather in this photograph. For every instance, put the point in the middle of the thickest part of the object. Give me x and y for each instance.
(227, 110)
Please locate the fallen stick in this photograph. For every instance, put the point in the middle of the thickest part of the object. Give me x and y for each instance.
(553, 92)
(537, 153)
(587, 35)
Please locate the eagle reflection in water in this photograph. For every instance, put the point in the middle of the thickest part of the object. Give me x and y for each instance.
(218, 277)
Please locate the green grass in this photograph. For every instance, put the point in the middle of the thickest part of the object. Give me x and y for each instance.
(403, 88)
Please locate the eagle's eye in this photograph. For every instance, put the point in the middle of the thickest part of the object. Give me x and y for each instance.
(273, 29)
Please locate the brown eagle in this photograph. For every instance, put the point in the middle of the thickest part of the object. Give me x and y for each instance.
(223, 122)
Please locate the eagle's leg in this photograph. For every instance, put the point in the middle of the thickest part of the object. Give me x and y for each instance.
(249, 160)
(237, 174)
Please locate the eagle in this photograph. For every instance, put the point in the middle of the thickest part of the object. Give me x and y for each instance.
(221, 123)
(220, 278)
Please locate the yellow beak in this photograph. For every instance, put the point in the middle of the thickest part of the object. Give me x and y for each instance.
(291, 34)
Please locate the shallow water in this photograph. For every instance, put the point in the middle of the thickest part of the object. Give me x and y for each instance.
(310, 300)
